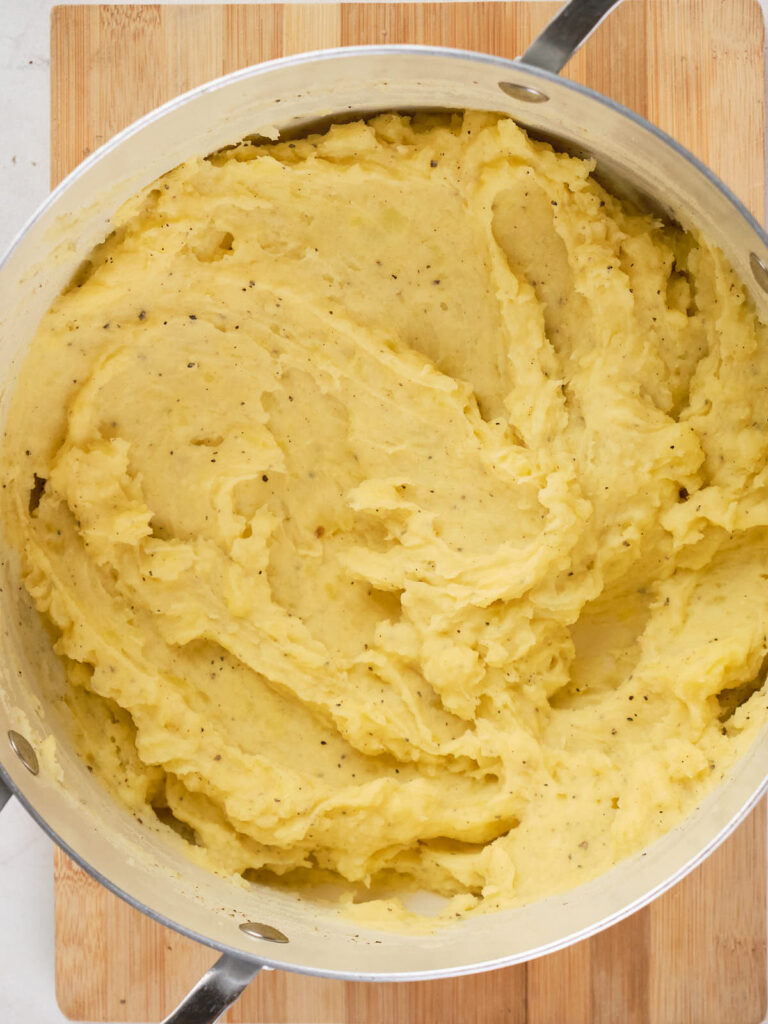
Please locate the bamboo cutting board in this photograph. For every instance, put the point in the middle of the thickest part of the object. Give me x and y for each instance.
(698, 954)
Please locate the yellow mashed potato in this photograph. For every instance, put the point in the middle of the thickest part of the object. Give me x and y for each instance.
(399, 503)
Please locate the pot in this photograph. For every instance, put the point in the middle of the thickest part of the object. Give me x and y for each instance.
(257, 926)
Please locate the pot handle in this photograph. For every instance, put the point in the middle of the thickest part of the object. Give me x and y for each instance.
(5, 794)
(573, 24)
(216, 991)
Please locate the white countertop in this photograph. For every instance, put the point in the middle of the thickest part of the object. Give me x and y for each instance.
(27, 993)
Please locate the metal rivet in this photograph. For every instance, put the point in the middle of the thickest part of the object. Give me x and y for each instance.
(256, 930)
(526, 93)
(759, 270)
(24, 750)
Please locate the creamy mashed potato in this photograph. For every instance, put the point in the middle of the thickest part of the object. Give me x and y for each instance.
(399, 503)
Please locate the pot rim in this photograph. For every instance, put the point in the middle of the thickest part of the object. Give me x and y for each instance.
(343, 52)
(506, 67)
(341, 975)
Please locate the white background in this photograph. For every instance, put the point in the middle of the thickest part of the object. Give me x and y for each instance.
(26, 868)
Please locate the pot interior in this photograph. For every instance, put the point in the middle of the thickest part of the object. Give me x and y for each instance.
(287, 96)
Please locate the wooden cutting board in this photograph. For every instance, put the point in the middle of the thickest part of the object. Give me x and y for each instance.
(698, 954)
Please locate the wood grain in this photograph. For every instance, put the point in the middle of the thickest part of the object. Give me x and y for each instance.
(698, 954)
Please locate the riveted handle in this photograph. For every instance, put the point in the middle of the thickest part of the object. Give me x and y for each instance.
(215, 992)
(569, 29)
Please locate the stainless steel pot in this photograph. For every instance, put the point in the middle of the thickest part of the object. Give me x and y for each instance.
(257, 926)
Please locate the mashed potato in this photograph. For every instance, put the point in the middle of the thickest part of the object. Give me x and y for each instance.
(399, 502)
